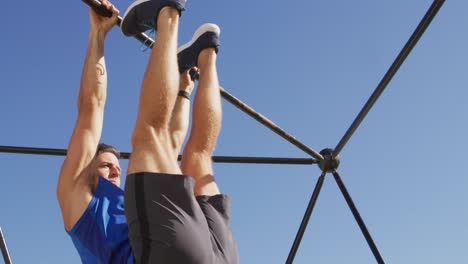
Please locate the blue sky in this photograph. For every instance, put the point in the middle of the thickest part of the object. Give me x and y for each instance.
(309, 66)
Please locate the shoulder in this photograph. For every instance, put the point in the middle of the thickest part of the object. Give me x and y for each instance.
(75, 202)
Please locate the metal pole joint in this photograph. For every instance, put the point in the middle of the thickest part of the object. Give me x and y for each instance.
(330, 161)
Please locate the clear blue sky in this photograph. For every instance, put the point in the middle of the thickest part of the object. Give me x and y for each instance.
(309, 66)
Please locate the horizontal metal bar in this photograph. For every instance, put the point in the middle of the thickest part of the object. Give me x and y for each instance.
(126, 155)
(263, 160)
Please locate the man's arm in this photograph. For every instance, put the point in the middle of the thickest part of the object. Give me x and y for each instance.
(74, 186)
(180, 114)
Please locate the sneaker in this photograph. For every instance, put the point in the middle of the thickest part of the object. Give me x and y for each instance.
(142, 15)
(206, 36)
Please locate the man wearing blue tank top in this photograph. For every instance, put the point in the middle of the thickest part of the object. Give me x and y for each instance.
(172, 214)
(88, 189)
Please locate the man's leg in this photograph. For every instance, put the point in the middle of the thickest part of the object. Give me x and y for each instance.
(197, 162)
(166, 223)
(153, 150)
(206, 125)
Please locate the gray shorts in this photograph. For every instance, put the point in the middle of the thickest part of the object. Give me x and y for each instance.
(168, 224)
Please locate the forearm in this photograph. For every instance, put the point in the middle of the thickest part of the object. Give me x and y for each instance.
(91, 100)
(180, 115)
(180, 118)
(93, 87)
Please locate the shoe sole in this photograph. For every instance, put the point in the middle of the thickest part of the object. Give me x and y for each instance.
(130, 8)
(208, 27)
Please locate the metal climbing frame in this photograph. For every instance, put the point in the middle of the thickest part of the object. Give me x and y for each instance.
(327, 159)
(3, 246)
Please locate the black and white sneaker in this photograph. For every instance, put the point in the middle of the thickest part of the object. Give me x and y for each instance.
(206, 36)
(142, 15)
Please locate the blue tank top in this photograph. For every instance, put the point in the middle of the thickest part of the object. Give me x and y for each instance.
(101, 233)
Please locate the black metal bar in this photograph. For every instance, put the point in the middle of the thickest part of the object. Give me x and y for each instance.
(263, 160)
(268, 123)
(358, 218)
(100, 9)
(144, 39)
(6, 255)
(305, 220)
(35, 151)
(430, 14)
(126, 155)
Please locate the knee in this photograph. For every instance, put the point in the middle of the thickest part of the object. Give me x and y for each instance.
(197, 150)
(201, 144)
(195, 160)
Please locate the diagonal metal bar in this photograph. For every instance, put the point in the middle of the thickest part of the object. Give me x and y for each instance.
(305, 220)
(430, 14)
(268, 123)
(358, 218)
(126, 155)
(145, 40)
(6, 255)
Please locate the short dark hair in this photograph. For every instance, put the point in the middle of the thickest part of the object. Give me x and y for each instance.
(102, 147)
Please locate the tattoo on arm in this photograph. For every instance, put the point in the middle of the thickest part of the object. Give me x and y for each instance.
(101, 70)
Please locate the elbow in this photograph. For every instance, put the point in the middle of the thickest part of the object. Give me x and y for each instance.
(59, 194)
(90, 103)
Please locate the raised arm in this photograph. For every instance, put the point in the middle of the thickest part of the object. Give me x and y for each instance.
(180, 114)
(74, 188)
